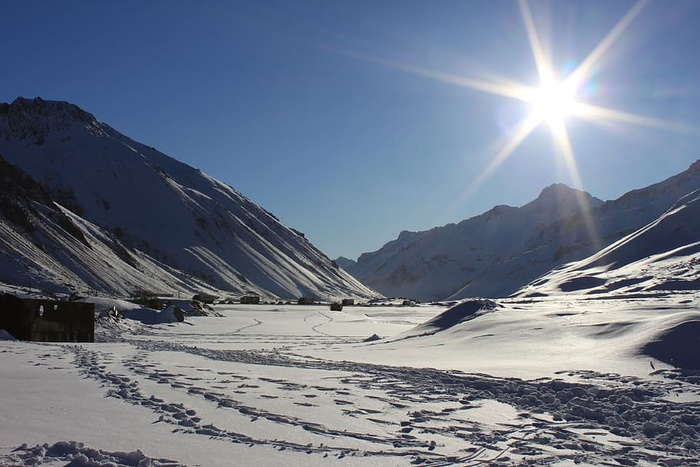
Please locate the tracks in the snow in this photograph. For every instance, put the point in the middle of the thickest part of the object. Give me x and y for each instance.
(427, 415)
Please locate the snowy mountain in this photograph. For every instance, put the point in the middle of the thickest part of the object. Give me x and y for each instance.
(663, 255)
(99, 211)
(496, 253)
(659, 263)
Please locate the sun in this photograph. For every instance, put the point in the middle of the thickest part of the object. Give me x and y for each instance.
(552, 102)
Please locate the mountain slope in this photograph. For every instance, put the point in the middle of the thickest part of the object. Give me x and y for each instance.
(466, 257)
(496, 253)
(663, 255)
(167, 211)
(47, 247)
(658, 263)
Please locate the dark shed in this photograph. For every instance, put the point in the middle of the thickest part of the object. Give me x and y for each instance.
(250, 299)
(32, 319)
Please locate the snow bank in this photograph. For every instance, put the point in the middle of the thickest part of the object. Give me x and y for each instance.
(464, 311)
(76, 454)
(678, 345)
(104, 303)
(115, 317)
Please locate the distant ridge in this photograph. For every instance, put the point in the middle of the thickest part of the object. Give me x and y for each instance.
(498, 252)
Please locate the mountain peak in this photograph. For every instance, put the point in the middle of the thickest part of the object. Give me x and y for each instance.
(37, 118)
(564, 199)
(556, 190)
(41, 107)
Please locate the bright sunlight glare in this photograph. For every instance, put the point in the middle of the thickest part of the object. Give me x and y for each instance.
(553, 102)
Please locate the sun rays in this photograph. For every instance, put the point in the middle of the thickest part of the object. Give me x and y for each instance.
(554, 101)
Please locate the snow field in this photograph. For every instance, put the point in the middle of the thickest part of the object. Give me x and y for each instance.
(296, 385)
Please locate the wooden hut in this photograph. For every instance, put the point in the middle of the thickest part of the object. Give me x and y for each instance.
(45, 320)
(250, 299)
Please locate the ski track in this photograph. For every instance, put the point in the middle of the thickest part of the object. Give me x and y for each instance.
(315, 328)
(419, 416)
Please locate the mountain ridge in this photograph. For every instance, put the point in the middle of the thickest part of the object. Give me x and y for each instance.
(662, 255)
(162, 208)
(495, 253)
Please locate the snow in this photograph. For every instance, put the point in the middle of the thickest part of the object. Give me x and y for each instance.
(548, 380)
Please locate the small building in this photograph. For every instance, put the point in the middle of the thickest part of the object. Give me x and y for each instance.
(348, 302)
(336, 306)
(47, 320)
(250, 299)
(306, 301)
(205, 298)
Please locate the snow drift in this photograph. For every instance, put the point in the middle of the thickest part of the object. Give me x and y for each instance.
(530, 381)
(678, 345)
(458, 314)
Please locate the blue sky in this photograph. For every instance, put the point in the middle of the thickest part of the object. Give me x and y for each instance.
(347, 119)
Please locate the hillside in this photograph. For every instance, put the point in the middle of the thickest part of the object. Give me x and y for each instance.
(141, 217)
(663, 255)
